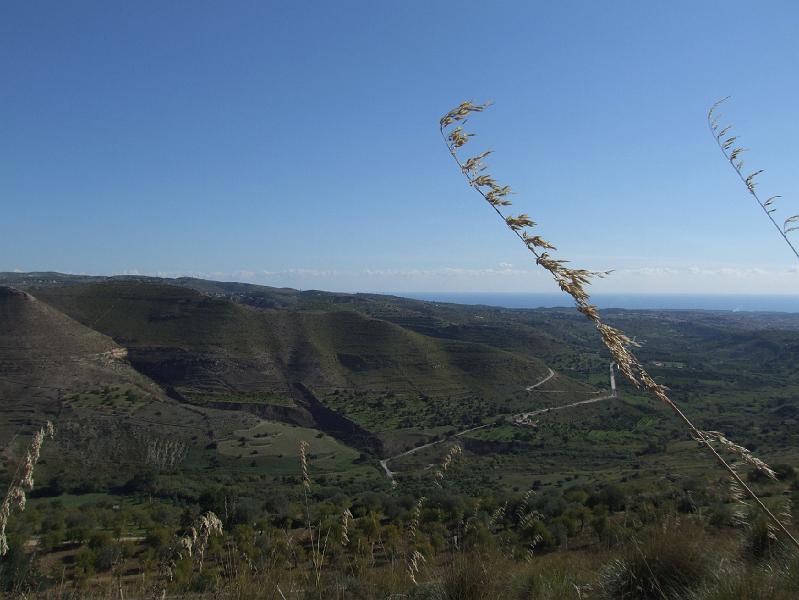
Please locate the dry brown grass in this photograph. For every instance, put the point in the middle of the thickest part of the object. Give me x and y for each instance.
(22, 482)
(192, 543)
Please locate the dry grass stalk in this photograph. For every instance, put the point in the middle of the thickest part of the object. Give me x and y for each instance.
(573, 282)
(451, 455)
(413, 526)
(318, 545)
(345, 526)
(22, 482)
(414, 558)
(414, 565)
(416, 513)
(732, 151)
(744, 453)
(497, 516)
(470, 521)
(192, 543)
(196, 538)
(738, 516)
(524, 504)
(526, 517)
(306, 480)
(164, 453)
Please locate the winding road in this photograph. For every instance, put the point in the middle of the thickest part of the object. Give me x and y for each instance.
(530, 388)
(519, 419)
(390, 473)
(523, 418)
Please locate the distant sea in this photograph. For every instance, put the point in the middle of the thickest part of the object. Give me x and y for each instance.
(731, 302)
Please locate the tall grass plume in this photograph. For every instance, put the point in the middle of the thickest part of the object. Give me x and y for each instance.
(22, 482)
(732, 150)
(574, 281)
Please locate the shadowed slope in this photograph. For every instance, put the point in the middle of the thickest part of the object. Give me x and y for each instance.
(200, 345)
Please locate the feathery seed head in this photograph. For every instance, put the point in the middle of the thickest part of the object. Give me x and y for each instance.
(496, 197)
(474, 165)
(306, 480)
(573, 281)
(744, 453)
(462, 111)
(15, 496)
(484, 181)
(519, 222)
(416, 513)
(453, 452)
(345, 526)
(457, 137)
(414, 565)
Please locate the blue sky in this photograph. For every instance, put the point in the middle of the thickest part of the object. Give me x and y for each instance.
(296, 143)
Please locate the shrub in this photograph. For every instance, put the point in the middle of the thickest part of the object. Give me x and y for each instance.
(469, 577)
(759, 541)
(664, 565)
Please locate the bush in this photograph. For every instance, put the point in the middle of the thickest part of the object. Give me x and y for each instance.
(107, 555)
(469, 577)
(759, 541)
(84, 563)
(664, 565)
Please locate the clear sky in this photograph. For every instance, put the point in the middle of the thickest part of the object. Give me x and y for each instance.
(296, 143)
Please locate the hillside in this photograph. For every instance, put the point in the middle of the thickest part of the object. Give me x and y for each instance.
(202, 346)
(111, 418)
(382, 374)
(45, 357)
(173, 396)
(208, 363)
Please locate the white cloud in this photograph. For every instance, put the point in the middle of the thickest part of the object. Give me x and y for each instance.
(704, 279)
(504, 277)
